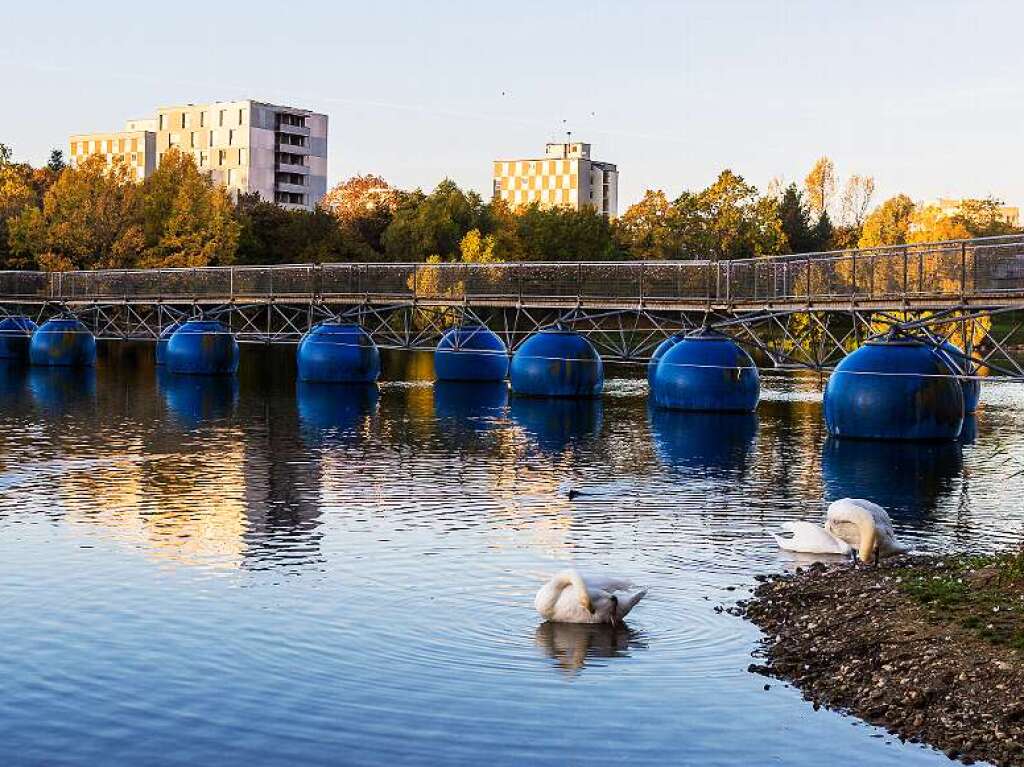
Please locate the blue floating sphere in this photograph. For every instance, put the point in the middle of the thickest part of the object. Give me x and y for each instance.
(338, 353)
(62, 342)
(961, 363)
(202, 347)
(471, 353)
(557, 363)
(660, 352)
(161, 342)
(707, 371)
(15, 337)
(894, 388)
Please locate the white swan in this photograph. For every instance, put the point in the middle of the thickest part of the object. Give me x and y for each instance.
(851, 524)
(570, 598)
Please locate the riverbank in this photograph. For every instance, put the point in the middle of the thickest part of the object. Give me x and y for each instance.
(930, 648)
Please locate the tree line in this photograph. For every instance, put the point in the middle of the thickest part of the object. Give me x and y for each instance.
(95, 216)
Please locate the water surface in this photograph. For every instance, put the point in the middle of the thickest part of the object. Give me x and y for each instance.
(254, 572)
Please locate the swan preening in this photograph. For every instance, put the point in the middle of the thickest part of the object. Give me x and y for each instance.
(570, 598)
(852, 526)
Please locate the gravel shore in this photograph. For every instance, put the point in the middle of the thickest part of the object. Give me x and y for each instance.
(929, 648)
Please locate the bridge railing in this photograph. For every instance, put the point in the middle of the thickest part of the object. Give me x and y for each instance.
(989, 266)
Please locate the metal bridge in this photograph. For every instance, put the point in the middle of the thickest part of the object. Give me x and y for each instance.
(804, 310)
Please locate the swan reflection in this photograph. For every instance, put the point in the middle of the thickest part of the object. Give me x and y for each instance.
(573, 645)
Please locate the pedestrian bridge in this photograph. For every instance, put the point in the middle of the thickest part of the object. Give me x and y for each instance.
(804, 310)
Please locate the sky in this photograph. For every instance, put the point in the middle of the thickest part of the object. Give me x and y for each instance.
(924, 96)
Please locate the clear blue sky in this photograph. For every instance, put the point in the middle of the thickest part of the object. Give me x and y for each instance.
(925, 96)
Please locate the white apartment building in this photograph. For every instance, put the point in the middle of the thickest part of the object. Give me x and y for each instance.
(248, 146)
(565, 176)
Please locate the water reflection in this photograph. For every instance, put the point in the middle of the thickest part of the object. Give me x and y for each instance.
(555, 424)
(906, 478)
(194, 400)
(969, 432)
(62, 390)
(470, 405)
(714, 442)
(333, 410)
(573, 645)
(13, 377)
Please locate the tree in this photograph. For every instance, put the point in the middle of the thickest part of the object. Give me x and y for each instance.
(823, 233)
(730, 220)
(929, 224)
(889, 223)
(5, 154)
(820, 185)
(564, 234)
(796, 221)
(856, 200)
(56, 163)
(434, 224)
(478, 248)
(84, 216)
(644, 230)
(365, 205)
(984, 218)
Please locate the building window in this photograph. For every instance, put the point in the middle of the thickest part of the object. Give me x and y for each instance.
(192, 140)
(74, 147)
(240, 116)
(204, 159)
(135, 158)
(240, 160)
(231, 137)
(220, 117)
(222, 155)
(202, 119)
(231, 176)
(212, 142)
(163, 122)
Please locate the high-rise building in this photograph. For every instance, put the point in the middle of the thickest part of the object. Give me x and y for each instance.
(133, 147)
(566, 176)
(248, 146)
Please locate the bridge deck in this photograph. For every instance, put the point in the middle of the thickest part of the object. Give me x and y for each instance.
(983, 272)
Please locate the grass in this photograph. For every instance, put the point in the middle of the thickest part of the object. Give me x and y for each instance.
(983, 594)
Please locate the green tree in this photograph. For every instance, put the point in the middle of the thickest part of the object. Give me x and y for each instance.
(823, 233)
(734, 222)
(433, 224)
(889, 223)
(56, 162)
(563, 234)
(796, 221)
(984, 218)
(644, 231)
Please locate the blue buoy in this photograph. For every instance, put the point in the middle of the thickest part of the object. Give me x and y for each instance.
(62, 342)
(961, 363)
(894, 388)
(202, 347)
(471, 353)
(660, 352)
(161, 342)
(338, 353)
(707, 371)
(557, 363)
(15, 337)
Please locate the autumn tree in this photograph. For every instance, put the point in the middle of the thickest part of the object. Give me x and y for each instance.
(984, 217)
(644, 230)
(86, 218)
(365, 206)
(820, 186)
(730, 220)
(889, 223)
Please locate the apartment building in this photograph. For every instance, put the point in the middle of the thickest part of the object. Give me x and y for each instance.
(248, 146)
(132, 147)
(565, 176)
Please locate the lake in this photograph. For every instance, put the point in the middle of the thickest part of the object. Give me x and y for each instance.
(248, 571)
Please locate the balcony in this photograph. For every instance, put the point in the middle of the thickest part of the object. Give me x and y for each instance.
(288, 167)
(295, 188)
(290, 148)
(294, 130)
